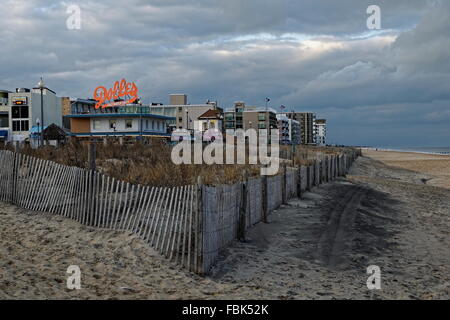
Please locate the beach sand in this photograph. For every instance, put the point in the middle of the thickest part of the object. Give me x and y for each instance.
(318, 247)
(437, 167)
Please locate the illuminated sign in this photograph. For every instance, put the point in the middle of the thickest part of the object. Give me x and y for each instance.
(19, 101)
(126, 91)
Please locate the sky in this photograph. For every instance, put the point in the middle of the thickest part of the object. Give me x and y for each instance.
(387, 87)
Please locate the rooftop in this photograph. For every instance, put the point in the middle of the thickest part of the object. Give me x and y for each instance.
(120, 115)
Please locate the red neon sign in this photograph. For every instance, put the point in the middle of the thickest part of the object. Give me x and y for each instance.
(105, 98)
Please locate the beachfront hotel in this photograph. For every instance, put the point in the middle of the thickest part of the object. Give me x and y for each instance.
(125, 121)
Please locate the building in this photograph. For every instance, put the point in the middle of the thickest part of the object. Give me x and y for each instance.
(80, 106)
(130, 121)
(4, 115)
(260, 118)
(290, 130)
(25, 111)
(234, 116)
(250, 117)
(210, 124)
(211, 119)
(184, 115)
(307, 125)
(321, 137)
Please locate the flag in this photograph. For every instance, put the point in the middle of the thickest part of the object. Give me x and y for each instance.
(282, 107)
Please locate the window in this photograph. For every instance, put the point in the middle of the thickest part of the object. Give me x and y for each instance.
(21, 125)
(19, 112)
(4, 121)
(180, 109)
(153, 124)
(113, 124)
(16, 125)
(128, 124)
(97, 124)
(261, 125)
(146, 124)
(180, 119)
(24, 124)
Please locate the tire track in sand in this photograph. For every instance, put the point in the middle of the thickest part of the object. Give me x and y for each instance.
(336, 238)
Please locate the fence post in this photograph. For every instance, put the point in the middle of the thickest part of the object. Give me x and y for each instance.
(265, 206)
(299, 182)
(308, 178)
(199, 234)
(327, 174)
(243, 209)
(283, 186)
(92, 155)
(15, 172)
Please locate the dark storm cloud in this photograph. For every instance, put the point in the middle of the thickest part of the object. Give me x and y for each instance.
(309, 55)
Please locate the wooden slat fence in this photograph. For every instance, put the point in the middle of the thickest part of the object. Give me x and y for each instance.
(166, 218)
(188, 225)
(222, 204)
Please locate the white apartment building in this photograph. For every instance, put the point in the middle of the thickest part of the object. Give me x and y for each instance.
(290, 130)
(321, 135)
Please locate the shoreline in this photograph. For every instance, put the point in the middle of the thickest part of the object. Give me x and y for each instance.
(442, 153)
(433, 168)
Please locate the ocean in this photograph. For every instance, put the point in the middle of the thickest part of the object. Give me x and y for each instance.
(428, 150)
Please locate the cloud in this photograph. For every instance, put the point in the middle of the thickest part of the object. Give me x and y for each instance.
(308, 55)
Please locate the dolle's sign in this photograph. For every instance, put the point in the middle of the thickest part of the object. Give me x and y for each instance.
(126, 91)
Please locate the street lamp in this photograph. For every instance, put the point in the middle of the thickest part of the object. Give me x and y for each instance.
(41, 86)
(38, 123)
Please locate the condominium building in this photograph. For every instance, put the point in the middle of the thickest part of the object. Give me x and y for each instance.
(307, 125)
(250, 117)
(321, 137)
(184, 115)
(290, 130)
(234, 116)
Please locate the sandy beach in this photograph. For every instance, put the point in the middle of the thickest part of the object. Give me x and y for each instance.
(383, 213)
(436, 167)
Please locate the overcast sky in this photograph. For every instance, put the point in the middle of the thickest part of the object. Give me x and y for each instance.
(388, 87)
